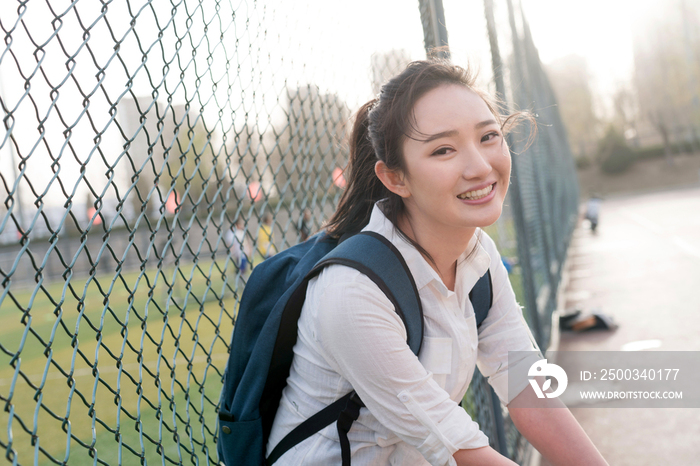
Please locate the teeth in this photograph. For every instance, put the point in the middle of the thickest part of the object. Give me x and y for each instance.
(474, 195)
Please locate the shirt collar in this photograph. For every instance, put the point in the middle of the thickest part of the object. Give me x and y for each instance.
(471, 265)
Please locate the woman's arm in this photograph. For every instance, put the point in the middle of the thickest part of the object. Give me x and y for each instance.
(550, 428)
(553, 430)
(485, 456)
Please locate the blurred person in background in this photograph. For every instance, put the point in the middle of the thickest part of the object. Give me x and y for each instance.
(265, 247)
(593, 211)
(238, 245)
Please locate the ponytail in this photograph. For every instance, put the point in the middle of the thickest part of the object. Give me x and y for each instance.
(364, 188)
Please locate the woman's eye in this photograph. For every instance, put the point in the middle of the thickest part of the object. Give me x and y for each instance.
(490, 136)
(441, 151)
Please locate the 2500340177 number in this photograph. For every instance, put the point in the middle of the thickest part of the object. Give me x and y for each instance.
(639, 374)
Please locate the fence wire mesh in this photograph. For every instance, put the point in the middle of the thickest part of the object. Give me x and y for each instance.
(154, 151)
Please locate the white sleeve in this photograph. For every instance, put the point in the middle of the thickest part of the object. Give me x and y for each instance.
(504, 330)
(365, 342)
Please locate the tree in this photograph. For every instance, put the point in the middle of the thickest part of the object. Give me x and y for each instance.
(666, 61)
(310, 143)
(194, 167)
(569, 77)
(625, 110)
(614, 154)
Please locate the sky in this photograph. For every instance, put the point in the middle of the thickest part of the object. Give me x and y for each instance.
(598, 30)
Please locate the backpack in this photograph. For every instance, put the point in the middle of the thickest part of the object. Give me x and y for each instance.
(265, 333)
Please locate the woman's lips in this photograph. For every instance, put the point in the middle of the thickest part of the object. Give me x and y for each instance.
(477, 194)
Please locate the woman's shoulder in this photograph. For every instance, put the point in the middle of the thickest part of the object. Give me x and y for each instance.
(340, 289)
(342, 280)
(343, 301)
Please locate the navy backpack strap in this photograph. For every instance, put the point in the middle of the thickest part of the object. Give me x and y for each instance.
(375, 256)
(315, 423)
(481, 297)
(345, 420)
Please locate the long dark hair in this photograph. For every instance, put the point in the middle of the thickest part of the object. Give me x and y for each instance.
(380, 128)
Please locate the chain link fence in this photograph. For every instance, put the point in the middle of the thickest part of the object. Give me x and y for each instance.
(154, 151)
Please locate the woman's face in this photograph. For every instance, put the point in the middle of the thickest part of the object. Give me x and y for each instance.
(457, 164)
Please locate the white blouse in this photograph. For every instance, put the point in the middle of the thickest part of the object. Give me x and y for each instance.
(350, 337)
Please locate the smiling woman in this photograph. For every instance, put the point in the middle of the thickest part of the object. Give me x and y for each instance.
(429, 167)
(457, 168)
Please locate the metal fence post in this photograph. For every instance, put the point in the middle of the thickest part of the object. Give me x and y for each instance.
(432, 16)
(523, 240)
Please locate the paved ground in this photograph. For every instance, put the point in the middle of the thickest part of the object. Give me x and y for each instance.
(643, 268)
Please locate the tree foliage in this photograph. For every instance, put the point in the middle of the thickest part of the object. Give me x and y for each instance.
(614, 154)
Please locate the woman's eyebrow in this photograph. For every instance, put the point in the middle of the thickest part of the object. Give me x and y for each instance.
(454, 132)
(442, 134)
(485, 123)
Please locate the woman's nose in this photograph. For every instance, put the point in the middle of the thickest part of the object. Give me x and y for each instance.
(476, 164)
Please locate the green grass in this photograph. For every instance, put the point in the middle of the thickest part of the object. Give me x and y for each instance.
(175, 323)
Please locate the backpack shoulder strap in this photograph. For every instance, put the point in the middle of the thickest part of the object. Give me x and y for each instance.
(375, 256)
(481, 297)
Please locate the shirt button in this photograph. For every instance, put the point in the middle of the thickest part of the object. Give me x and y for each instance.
(404, 397)
(226, 429)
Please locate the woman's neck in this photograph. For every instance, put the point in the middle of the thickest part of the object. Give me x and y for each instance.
(444, 246)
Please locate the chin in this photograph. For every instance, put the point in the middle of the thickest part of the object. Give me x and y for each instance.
(486, 220)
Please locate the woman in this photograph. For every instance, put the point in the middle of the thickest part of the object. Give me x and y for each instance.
(239, 245)
(428, 168)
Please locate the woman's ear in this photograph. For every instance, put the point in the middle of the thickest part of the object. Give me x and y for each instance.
(393, 179)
